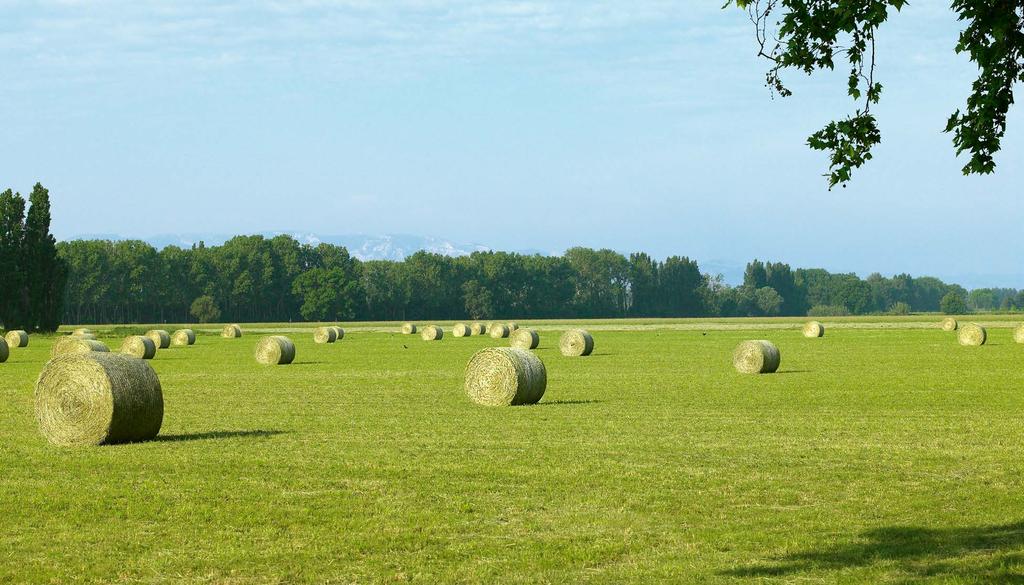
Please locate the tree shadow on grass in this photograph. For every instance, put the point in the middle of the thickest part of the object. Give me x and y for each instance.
(212, 435)
(566, 402)
(988, 554)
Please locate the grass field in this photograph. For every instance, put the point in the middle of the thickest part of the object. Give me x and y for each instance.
(883, 452)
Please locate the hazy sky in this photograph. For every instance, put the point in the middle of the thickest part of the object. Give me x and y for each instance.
(637, 125)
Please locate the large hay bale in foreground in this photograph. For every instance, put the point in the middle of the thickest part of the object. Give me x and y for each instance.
(432, 333)
(575, 343)
(17, 338)
(1018, 334)
(525, 339)
(183, 337)
(477, 329)
(498, 331)
(505, 376)
(5, 350)
(275, 350)
(339, 333)
(139, 346)
(461, 330)
(98, 398)
(231, 332)
(82, 331)
(77, 344)
(161, 338)
(756, 357)
(408, 328)
(949, 324)
(324, 335)
(813, 329)
(972, 334)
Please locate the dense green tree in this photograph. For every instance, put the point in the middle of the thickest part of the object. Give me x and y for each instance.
(12, 228)
(205, 310)
(44, 272)
(953, 304)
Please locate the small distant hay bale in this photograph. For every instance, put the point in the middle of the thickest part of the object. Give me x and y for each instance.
(5, 350)
(139, 346)
(408, 328)
(814, 329)
(339, 333)
(972, 334)
(499, 331)
(575, 343)
(98, 399)
(83, 335)
(183, 337)
(756, 357)
(432, 333)
(949, 324)
(161, 338)
(478, 329)
(231, 332)
(323, 335)
(275, 350)
(461, 330)
(512, 326)
(1018, 334)
(82, 331)
(505, 376)
(77, 344)
(17, 338)
(525, 339)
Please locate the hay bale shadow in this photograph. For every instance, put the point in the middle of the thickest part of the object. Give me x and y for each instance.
(214, 435)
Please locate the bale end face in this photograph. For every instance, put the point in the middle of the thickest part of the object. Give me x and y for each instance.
(576, 343)
(98, 398)
(756, 357)
(183, 337)
(432, 333)
(525, 339)
(324, 335)
(17, 338)
(478, 329)
(505, 376)
(950, 324)
(1018, 334)
(461, 330)
(499, 331)
(161, 338)
(408, 328)
(813, 329)
(512, 326)
(139, 346)
(231, 332)
(275, 350)
(972, 334)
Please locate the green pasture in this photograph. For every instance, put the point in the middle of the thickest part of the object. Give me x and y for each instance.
(882, 453)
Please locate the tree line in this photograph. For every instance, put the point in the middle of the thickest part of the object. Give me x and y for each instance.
(32, 276)
(253, 278)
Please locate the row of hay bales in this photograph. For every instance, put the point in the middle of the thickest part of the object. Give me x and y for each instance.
(973, 334)
(573, 343)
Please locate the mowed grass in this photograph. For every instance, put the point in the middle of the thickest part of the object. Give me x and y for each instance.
(875, 455)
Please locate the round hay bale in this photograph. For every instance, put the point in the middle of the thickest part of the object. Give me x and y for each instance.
(408, 328)
(17, 338)
(82, 331)
(161, 338)
(339, 333)
(323, 335)
(139, 346)
(478, 329)
(814, 329)
(77, 344)
(512, 326)
(5, 350)
(231, 332)
(576, 342)
(97, 399)
(183, 337)
(275, 350)
(1018, 334)
(756, 357)
(498, 331)
(505, 376)
(461, 330)
(83, 335)
(432, 333)
(525, 339)
(972, 334)
(949, 324)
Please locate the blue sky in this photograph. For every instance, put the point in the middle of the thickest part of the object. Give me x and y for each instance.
(515, 124)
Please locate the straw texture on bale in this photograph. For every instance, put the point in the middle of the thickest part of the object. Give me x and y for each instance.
(949, 324)
(756, 357)
(77, 344)
(139, 346)
(972, 334)
(183, 337)
(814, 329)
(512, 326)
(575, 343)
(98, 398)
(17, 338)
(323, 335)
(231, 331)
(83, 335)
(161, 338)
(525, 339)
(432, 333)
(5, 350)
(82, 331)
(339, 333)
(478, 328)
(409, 328)
(505, 376)
(461, 330)
(1018, 334)
(499, 331)
(275, 350)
